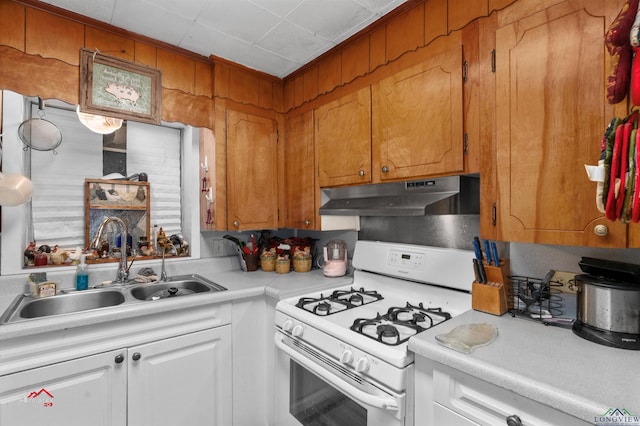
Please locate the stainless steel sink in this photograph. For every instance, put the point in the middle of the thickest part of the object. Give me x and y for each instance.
(27, 307)
(176, 286)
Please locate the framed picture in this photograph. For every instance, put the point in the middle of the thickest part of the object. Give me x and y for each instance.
(117, 88)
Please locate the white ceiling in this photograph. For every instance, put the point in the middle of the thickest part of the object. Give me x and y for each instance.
(273, 36)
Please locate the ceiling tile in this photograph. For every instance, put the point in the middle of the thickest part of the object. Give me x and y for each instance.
(189, 9)
(127, 15)
(207, 41)
(101, 11)
(292, 42)
(331, 18)
(240, 18)
(278, 7)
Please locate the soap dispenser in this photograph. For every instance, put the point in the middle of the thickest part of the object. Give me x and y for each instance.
(82, 275)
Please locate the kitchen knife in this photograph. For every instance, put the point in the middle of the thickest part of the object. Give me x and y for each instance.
(476, 248)
(495, 254)
(479, 268)
(487, 251)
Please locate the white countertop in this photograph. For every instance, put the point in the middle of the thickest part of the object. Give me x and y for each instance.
(240, 285)
(548, 364)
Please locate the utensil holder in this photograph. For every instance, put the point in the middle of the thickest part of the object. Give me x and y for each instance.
(251, 259)
(494, 296)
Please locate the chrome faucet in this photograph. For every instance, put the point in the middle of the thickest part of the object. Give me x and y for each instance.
(123, 271)
(163, 272)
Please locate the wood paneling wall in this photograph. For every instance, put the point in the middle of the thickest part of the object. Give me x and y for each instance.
(415, 25)
(45, 63)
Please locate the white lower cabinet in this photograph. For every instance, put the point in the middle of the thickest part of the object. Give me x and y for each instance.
(185, 380)
(178, 380)
(87, 391)
(446, 396)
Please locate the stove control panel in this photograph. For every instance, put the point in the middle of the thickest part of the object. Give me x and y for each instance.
(406, 259)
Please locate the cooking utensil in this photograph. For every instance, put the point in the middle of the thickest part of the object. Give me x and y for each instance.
(494, 253)
(476, 248)
(38, 133)
(487, 251)
(238, 247)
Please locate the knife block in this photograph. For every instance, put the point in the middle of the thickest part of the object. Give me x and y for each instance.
(495, 296)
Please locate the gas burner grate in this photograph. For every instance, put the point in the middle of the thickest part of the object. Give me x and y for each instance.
(338, 301)
(399, 323)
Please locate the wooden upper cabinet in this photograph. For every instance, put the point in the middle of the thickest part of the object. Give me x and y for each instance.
(252, 167)
(300, 208)
(343, 140)
(418, 119)
(551, 113)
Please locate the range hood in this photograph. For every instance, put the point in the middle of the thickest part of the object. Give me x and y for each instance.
(439, 196)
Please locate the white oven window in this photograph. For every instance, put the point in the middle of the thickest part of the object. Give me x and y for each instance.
(313, 402)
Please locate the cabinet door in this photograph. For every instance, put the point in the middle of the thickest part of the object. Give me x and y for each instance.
(551, 114)
(418, 119)
(343, 140)
(252, 157)
(184, 380)
(85, 391)
(300, 210)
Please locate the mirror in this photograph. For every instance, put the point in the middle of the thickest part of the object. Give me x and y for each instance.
(56, 215)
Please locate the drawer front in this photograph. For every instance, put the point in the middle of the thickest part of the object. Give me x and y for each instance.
(487, 404)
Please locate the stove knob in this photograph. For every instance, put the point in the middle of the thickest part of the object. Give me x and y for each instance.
(346, 357)
(297, 331)
(362, 366)
(287, 326)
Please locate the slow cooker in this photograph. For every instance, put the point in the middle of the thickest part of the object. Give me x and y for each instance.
(608, 304)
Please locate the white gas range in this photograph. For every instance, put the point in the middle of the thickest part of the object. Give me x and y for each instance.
(343, 355)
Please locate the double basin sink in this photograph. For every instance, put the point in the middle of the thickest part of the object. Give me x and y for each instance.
(26, 307)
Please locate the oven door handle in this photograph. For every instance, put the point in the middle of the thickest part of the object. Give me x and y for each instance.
(385, 403)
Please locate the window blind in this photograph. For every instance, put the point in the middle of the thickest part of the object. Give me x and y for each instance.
(57, 206)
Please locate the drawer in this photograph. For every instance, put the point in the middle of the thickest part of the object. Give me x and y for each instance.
(487, 404)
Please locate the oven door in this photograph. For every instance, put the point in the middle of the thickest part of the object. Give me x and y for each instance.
(314, 390)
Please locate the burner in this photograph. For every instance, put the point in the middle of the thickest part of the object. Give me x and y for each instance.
(418, 314)
(356, 297)
(322, 308)
(337, 301)
(399, 323)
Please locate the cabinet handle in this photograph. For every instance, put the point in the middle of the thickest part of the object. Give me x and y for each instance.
(136, 356)
(119, 358)
(385, 169)
(361, 173)
(601, 230)
(514, 420)
(236, 223)
(307, 222)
